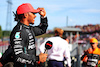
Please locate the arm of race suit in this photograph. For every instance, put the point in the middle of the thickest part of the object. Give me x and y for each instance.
(41, 28)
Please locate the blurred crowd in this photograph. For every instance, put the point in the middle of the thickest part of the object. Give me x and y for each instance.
(89, 31)
(89, 28)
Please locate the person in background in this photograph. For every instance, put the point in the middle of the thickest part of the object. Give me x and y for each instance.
(58, 50)
(91, 56)
(22, 38)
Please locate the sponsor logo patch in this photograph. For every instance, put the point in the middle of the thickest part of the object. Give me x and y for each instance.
(17, 35)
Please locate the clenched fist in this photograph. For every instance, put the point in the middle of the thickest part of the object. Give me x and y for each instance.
(42, 11)
(42, 57)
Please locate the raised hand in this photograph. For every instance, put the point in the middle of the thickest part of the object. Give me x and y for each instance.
(42, 11)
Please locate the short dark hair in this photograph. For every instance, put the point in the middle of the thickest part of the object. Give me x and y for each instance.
(18, 17)
(21, 16)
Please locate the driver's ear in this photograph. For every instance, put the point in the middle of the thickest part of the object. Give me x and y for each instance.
(25, 15)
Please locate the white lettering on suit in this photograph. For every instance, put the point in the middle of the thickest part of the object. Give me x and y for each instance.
(31, 40)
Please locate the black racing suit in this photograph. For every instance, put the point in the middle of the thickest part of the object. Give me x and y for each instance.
(22, 40)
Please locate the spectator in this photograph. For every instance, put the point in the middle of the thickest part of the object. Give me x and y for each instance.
(90, 57)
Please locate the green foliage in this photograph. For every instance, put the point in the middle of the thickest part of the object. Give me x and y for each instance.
(0, 32)
(45, 35)
(98, 65)
(6, 33)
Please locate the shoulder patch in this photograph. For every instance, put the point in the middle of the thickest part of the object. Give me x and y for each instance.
(17, 35)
